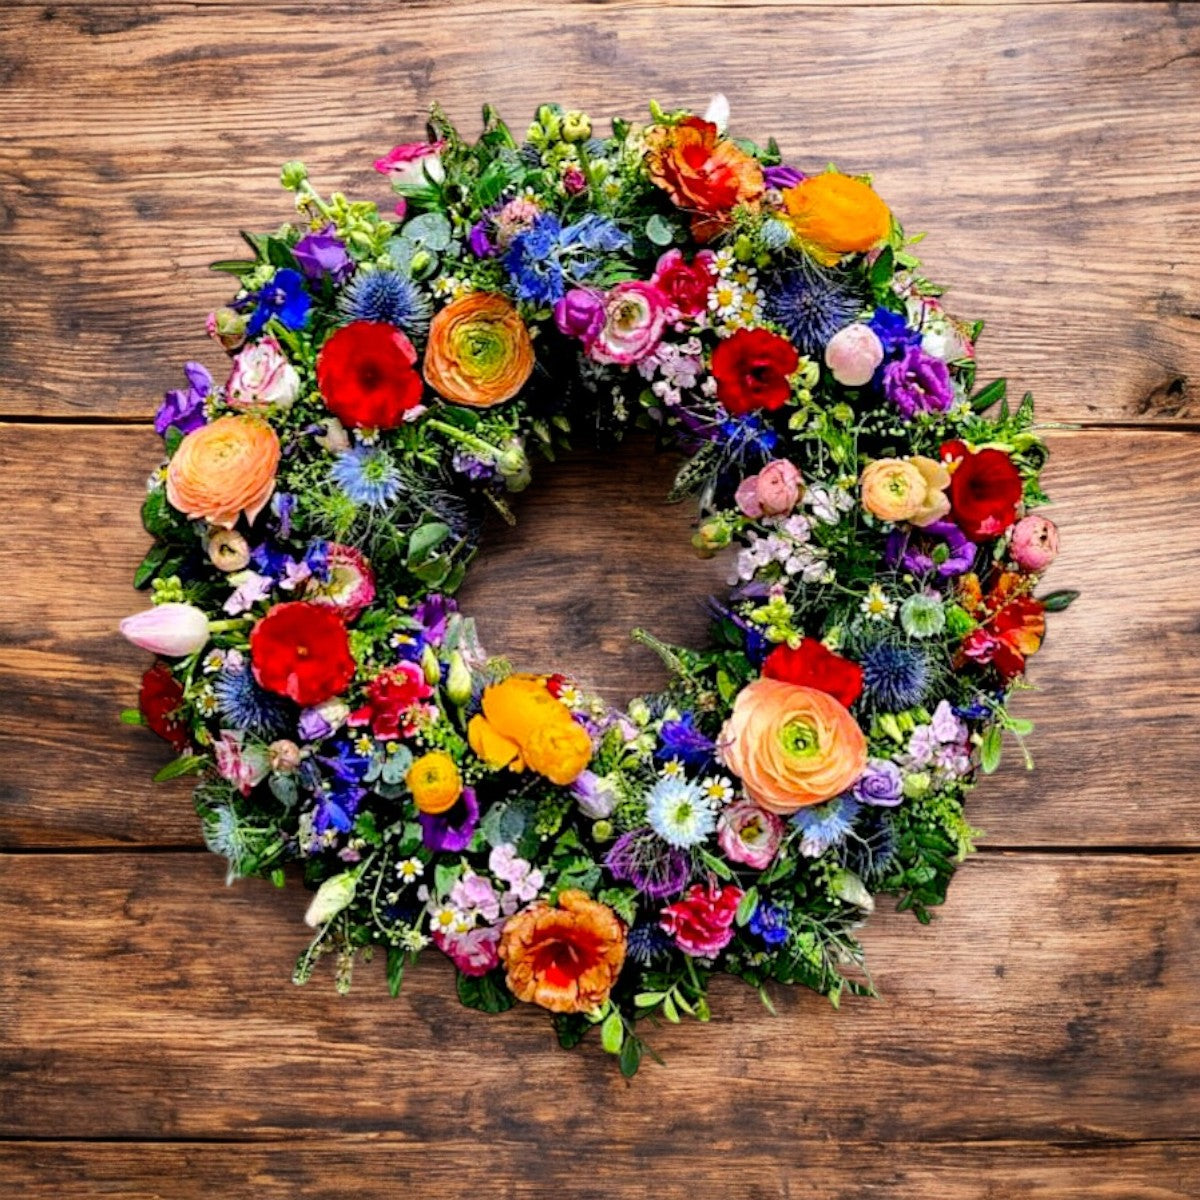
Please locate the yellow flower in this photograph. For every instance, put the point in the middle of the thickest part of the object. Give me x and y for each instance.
(911, 489)
(834, 214)
(434, 782)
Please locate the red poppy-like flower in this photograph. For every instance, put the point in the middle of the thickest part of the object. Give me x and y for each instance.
(1011, 622)
(751, 368)
(160, 698)
(702, 922)
(367, 377)
(301, 651)
(985, 489)
(393, 698)
(812, 665)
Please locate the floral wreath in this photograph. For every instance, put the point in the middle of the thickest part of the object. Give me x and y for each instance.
(392, 377)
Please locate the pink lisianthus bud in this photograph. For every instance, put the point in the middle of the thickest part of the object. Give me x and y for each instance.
(172, 630)
(853, 354)
(574, 181)
(262, 377)
(1034, 544)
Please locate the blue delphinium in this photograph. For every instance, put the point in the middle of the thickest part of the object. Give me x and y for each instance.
(388, 296)
(679, 812)
(367, 475)
(893, 332)
(680, 739)
(543, 257)
(825, 825)
(242, 704)
(810, 305)
(770, 922)
(895, 676)
(283, 299)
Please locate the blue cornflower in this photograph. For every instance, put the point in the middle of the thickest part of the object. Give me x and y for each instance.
(682, 740)
(679, 812)
(893, 332)
(770, 922)
(367, 475)
(242, 704)
(646, 944)
(810, 305)
(283, 299)
(895, 676)
(825, 825)
(387, 296)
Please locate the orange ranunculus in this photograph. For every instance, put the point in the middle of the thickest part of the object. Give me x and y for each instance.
(906, 489)
(701, 171)
(791, 745)
(834, 214)
(224, 469)
(435, 782)
(567, 958)
(479, 352)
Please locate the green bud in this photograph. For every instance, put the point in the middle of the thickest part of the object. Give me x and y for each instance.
(958, 621)
(513, 465)
(743, 248)
(430, 665)
(332, 896)
(922, 615)
(843, 414)
(916, 785)
(711, 537)
(292, 175)
(549, 117)
(639, 711)
(847, 886)
(576, 127)
(890, 726)
(810, 372)
(602, 831)
(458, 680)
(420, 262)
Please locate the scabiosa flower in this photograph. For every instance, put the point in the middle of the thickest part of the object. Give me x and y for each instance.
(642, 858)
(895, 676)
(679, 812)
(825, 825)
(647, 944)
(367, 475)
(811, 305)
(243, 704)
(386, 296)
(770, 922)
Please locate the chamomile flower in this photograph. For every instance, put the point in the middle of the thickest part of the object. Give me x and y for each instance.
(876, 605)
(410, 869)
(447, 919)
(724, 299)
(673, 769)
(214, 660)
(206, 701)
(717, 789)
(364, 744)
(679, 812)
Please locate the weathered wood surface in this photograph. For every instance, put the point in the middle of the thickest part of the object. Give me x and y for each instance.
(1053, 151)
(596, 552)
(1053, 1000)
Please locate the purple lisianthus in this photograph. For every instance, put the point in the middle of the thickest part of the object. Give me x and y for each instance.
(580, 314)
(452, 830)
(893, 331)
(782, 177)
(940, 547)
(918, 382)
(183, 408)
(881, 784)
(479, 240)
(322, 254)
(682, 740)
(595, 796)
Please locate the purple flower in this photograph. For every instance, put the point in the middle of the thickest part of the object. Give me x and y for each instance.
(433, 613)
(595, 796)
(283, 505)
(283, 299)
(481, 244)
(881, 784)
(918, 382)
(893, 332)
(321, 254)
(580, 314)
(782, 177)
(184, 407)
(682, 740)
(654, 867)
(940, 547)
(453, 829)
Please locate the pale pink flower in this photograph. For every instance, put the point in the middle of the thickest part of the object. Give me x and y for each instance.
(853, 354)
(173, 630)
(262, 377)
(1034, 544)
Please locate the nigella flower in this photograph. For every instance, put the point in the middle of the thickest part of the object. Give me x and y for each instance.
(386, 296)
(825, 825)
(679, 812)
(647, 944)
(367, 475)
(655, 868)
(283, 299)
(811, 305)
(895, 676)
(680, 739)
(770, 922)
(242, 704)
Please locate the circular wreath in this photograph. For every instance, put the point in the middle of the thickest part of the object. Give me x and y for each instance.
(392, 377)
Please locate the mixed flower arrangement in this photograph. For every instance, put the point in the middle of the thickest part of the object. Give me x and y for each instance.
(391, 376)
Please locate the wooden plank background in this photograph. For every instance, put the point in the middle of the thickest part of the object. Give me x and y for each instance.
(1041, 1039)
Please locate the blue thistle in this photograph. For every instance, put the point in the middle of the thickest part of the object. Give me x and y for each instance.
(895, 676)
(386, 296)
(647, 944)
(244, 705)
(810, 305)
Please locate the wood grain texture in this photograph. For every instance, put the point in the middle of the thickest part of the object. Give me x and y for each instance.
(1052, 151)
(595, 553)
(1052, 1000)
(381, 1166)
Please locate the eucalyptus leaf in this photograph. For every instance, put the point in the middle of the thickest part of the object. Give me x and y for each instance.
(659, 230)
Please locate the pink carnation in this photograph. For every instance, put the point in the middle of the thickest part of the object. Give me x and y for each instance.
(702, 922)
(244, 766)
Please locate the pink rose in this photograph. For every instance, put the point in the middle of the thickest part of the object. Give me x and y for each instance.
(408, 165)
(773, 492)
(749, 834)
(1034, 544)
(262, 377)
(686, 286)
(635, 314)
(853, 354)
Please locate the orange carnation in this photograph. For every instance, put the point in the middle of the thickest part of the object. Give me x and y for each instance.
(791, 745)
(224, 469)
(567, 958)
(479, 352)
(834, 214)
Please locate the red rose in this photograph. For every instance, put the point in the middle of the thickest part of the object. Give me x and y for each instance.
(702, 922)
(751, 369)
(811, 665)
(391, 699)
(685, 285)
(985, 489)
(160, 698)
(301, 650)
(366, 375)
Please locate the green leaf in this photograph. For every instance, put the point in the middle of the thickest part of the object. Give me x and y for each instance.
(189, 764)
(746, 906)
(491, 183)
(612, 1033)
(431, 230)
(989, 749)
(155, 557)
(631, 1057)
(659, 230)
(986, 397)
(132, 716)
(395, 970)
(484, 992)
(669, 1010)
(1059, 601)
(233, 266)
(648, 999)
(424, 540)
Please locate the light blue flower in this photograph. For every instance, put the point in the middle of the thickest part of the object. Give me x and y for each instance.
(679, 812)
(825, 825)
(367, 475)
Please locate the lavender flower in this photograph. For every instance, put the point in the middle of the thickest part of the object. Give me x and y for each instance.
(918, 382)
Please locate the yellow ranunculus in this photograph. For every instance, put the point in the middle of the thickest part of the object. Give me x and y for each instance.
(434, 782)
(559, 751)
(834, 214)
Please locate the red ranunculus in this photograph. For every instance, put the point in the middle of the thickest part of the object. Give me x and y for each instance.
(751, 368)
(811, 665)
(985, 489)
(301, 650)
(367, 377)
(160, 699)
(392, 700)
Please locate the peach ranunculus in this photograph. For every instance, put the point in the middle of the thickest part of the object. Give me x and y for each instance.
(792, 746)
(224, 469)
(523, 725)
(567, 958)
(479, 352)
(834, 214)
(906, 489)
